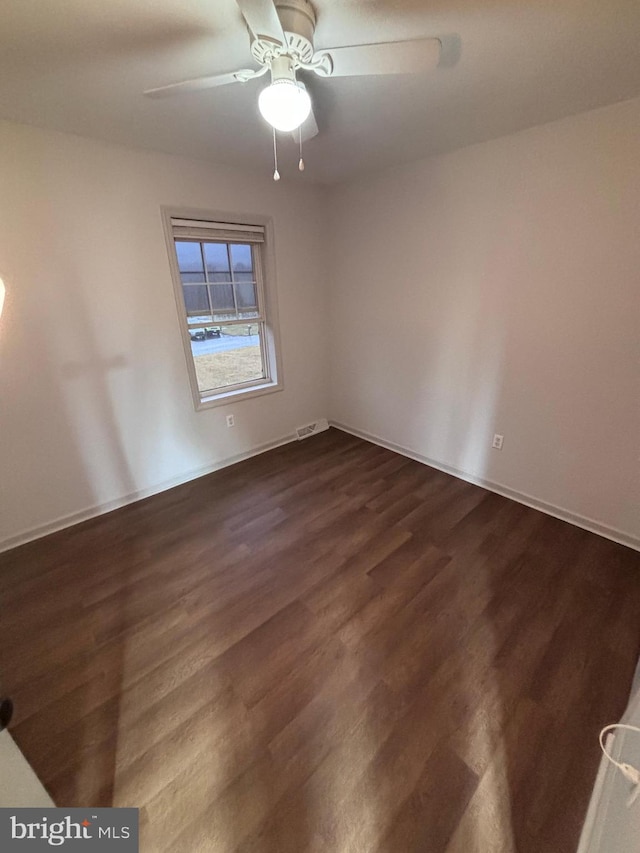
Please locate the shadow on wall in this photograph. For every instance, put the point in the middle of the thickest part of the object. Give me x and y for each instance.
(459, 332)
(443, 379)
(466, 382)
(451, 50)
(62, 442)
(41, 463)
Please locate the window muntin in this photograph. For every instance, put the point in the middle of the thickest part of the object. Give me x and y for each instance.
(218, 281)
(221, 284)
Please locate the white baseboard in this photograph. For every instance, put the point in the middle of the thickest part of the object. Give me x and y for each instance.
(100, 509)
(528, 500)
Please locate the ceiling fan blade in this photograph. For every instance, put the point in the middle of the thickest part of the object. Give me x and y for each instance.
(393, 57)
(198, 84)
(308, 129)
(262, 19)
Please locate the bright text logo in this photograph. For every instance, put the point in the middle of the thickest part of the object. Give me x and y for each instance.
(31, 830)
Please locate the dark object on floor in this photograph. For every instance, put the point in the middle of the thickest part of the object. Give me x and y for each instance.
(6, 712)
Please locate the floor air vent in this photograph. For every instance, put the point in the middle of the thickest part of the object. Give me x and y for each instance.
(311, 429)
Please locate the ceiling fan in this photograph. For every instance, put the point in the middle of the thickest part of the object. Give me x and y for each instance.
(282, 42)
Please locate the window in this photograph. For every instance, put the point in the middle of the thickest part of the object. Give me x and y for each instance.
(227, 315)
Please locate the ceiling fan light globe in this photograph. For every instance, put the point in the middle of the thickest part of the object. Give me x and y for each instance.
(285, 104)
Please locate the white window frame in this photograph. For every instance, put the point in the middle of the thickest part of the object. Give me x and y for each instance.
(267, 297)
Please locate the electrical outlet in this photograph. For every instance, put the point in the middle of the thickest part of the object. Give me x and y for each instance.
(230, 421)
(497, 441)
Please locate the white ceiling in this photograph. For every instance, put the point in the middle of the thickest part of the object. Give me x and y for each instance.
(81, 66)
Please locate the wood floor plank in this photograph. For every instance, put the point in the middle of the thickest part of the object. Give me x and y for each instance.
(328, 647)
(431, 813)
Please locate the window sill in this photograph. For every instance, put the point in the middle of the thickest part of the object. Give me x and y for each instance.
(226, 397)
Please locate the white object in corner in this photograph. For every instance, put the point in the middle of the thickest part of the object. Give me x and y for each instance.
(611, 823)
(19, 785)
(311, 429)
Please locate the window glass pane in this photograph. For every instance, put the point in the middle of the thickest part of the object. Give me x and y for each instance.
(233, 358)
(217, 261)
(246, 295)
(196, 299)
(222, 297)
(241, 258)
(189, 261)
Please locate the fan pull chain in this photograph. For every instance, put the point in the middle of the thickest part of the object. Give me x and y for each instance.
(300, 161)
(276, 173)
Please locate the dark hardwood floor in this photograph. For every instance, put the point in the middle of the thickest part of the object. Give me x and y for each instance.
(328, 647)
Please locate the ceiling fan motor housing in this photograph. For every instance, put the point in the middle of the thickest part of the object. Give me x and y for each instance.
(298, 19)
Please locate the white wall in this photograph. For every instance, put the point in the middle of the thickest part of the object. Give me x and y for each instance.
(94, 396)
(497, 289)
